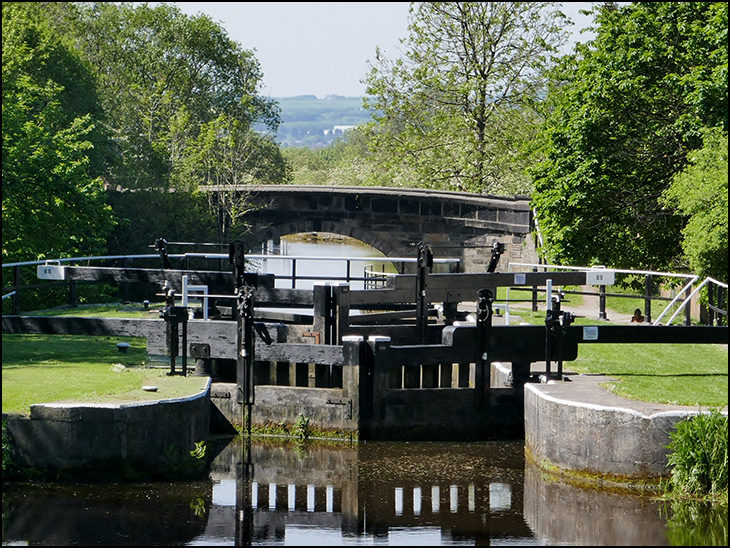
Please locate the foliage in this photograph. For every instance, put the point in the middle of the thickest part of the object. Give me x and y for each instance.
(699, 455)
(53, 202)
(227, 154)
(456, 112)
(165, 75)
(700, 192)
(200, 451)
(301, 427)
(117, 95)
(624, 113)
(145, 215)
(344, 162)
(697, 523)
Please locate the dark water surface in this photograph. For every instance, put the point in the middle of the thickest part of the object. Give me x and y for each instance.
(280, 492)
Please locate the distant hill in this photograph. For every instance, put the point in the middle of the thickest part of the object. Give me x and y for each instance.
(314, 123)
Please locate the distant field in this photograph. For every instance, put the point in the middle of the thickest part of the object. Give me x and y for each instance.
(313, 123)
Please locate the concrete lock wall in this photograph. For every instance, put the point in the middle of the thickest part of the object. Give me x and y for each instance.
(148, 438)
(596, 439)
(327, 409)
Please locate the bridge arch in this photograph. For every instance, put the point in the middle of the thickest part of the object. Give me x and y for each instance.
(455, 224)
(303, 226)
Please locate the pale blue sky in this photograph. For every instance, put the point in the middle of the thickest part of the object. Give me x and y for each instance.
(320, 48)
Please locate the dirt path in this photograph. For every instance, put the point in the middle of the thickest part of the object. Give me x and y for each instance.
(589, 309)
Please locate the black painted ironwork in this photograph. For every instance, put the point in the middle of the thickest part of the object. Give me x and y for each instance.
(483, 361)
(425, 264)
(176, 326)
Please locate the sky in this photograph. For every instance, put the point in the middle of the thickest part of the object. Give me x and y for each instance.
(322, 48)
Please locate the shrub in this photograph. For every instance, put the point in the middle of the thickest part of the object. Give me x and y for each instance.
(699, 455)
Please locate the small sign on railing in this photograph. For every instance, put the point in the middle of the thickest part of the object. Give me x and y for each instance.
(600, 276)
(51, 272)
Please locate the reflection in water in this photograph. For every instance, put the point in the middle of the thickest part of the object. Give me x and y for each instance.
(88, 515)
(280, 492)
(307, 269)
(695, 523)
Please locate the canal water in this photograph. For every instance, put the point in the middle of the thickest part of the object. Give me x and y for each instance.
(282, 492)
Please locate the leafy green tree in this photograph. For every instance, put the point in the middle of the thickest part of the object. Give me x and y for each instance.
(343, 163)
(53, 200)
(164, 75)
(627, 109)
(457, 109)
(700, 192)
(226, 156)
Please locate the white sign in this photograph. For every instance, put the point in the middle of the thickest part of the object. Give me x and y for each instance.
(600, 277)
(51, 272)
(520, 278)
(590, 333)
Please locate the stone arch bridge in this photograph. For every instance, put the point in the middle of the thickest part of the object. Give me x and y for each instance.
(454, 224)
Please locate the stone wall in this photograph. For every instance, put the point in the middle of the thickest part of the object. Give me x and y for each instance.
(455, 224)
(150, 439)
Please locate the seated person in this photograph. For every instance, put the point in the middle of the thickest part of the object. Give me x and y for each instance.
(637, 317)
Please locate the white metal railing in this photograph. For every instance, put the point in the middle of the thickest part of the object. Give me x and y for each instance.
(194, 291)
(689, 297)
(691, 279)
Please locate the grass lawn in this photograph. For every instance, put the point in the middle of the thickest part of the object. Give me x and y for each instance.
(680, 374)
(51, 368)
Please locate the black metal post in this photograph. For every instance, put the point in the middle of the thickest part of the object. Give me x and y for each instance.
(176, 317)
(497, 250)
(564, 321)
(17, 276)
(647, 297)
(483, 373)
(425, 262)
(245, 355)
(237, 258)
(602, 303)
(161, 247)
(72, 290)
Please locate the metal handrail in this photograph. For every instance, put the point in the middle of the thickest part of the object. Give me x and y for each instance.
(293, 258)
(692, 278)
(689, 297)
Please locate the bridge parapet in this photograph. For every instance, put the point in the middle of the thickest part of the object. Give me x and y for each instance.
(454, 224)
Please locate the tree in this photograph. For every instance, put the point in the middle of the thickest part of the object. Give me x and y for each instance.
(700, 192)
(627, 110)
(456, 111)
(53, 200)
(227, 157)
(344, 162)
(164, 75)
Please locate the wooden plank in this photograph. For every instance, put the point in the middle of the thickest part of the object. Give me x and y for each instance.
(64, 325)
(219, 334)
(428, 354)
(458, 287)
(212, 278)
(650, 334)
(300, 353)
